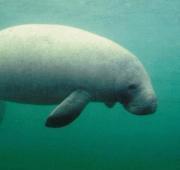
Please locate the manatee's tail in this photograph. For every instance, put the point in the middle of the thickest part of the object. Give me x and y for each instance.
(2, 110)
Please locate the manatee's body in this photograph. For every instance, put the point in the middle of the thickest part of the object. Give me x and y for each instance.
(48, 64)
(42, 64)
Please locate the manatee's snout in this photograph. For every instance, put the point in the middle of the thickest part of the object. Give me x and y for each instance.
(146, 109)
(149, 106)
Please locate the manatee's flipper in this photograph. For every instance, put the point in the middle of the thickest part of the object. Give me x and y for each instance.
(69, 109)
(2, 110)
(110, 104)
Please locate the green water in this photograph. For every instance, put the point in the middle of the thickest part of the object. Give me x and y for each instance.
(102, 138)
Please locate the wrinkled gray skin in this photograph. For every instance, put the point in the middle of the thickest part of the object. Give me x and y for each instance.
(44, 64)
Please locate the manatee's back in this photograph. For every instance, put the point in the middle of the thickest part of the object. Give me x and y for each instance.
(46, 60)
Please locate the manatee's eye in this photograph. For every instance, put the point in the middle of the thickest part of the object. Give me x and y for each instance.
(132, 87)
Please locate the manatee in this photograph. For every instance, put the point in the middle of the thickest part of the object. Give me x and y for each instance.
(55, 64)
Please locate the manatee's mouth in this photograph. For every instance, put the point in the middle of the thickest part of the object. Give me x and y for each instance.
(139, 106)
(141, 110)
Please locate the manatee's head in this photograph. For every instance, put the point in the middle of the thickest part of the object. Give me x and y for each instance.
(133, 88)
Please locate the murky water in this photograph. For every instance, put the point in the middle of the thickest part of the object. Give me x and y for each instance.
(102, 138)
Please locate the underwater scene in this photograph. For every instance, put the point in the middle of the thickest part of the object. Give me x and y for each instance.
(101, 138)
